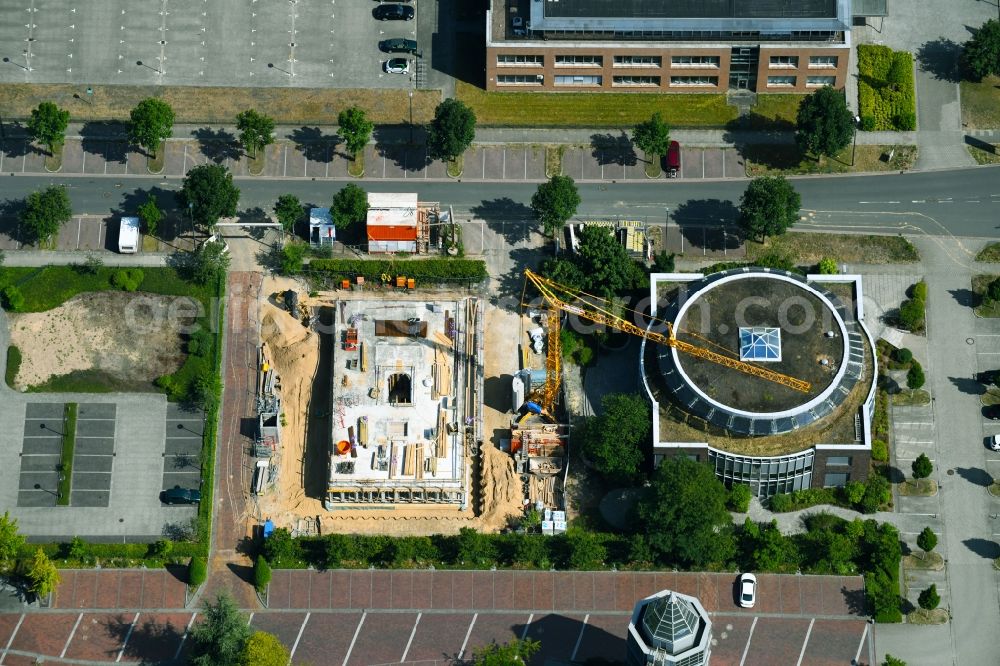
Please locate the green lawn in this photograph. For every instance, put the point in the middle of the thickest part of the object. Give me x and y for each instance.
(990, 254)
(810, 248)
(773, 159)
(66, 462)
(981, 103)
(612, 110)
(984, 307)
(775, 111)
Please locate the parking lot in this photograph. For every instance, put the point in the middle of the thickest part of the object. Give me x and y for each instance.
(190, 42)
(182, 456)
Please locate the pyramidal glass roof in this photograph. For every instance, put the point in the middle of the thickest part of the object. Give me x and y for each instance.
(760, 344)
(671, 623)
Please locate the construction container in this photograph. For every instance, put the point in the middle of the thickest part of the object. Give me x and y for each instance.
(411, 283)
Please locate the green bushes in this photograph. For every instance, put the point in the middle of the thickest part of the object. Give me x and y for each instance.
(866, 498)
(886, 97)
(803, 499)
(13, 299)
(13, 365)
(291, 258)
(915, 376)
(432, 271)
(828, 266)
(261, 574)
(127, 279)
(880, 450)
(739, 498)
(911, 314)
(197, 571)
(902, 356)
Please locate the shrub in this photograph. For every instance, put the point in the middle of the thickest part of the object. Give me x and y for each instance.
(902, 356)
(854, 492)
(280, 546)
(828, 266)
(423, 270)
(127, 279)
(160, 549)
(906, 121)
(261, 574)
(291, 258)
(781, 503)
(739, 498)
(199, 343)
(911, 314)
(929, 598)
(919, 291)
(867, 123)
(886, 97)
(993, 290)
(13, 299)
(880, 450)
(915, 376)
(877, 493)
(13, 365)
(777, 261)
(922, 467)
(663, 262)
(197, 571)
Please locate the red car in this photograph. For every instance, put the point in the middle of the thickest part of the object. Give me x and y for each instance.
(673, 159)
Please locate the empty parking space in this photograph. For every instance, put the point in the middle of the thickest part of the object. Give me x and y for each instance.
(382, 639)
(93, 455)
(182, 448)
(41, 454)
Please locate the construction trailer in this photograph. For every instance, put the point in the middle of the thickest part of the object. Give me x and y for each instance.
(399, 222)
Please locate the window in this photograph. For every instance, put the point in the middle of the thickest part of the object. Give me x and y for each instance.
(519, 79)
(818, 81)
(636, 81)
(822, 62)
(842, 461)
(579, 61)
(694, 80)
(578, 80)
(781, 81)
(835, 479)
(784, 62)
(518, 60)
(638, 61)
(694, 61)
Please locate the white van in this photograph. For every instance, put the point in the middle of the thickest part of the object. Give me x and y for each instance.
(128, 235)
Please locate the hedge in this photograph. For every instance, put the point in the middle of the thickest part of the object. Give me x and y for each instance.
(13, 365)
(197, 571)
(886, 96)
(433, 271)
(261, 574)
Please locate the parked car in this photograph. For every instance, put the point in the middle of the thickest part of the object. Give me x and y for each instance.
(995, 442)
(748, 590)
(398, 45)
(673, 159)
(992, 412)
(178, 495)
(393, 13)
(987, 377)
(396, 66)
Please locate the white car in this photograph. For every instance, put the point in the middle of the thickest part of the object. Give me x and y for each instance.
(396, 66)
(748, 590)
(995, 442)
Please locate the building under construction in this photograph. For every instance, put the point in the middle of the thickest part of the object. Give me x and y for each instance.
(407, 401)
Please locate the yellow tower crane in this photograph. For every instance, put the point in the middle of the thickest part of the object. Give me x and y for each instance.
(587, 306)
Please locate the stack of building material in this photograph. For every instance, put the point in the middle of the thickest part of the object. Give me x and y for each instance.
(441, 442)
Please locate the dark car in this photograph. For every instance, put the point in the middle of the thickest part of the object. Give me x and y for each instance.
(992, 412)
(393, 13)
(178, 495)
(398, 45)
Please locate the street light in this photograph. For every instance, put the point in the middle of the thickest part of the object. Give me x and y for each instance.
(857, 123)
(142, 64)
(411, 117)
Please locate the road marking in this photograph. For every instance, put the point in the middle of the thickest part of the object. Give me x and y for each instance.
(298, 637)
(861, 644)
(749, 638)
(806, 641)
(579, 639)
(187, 629)
(250, 619)
(527, 625)
(354, 640)
(464, 642)
(413, 632)
(127, 636)
(71, 634)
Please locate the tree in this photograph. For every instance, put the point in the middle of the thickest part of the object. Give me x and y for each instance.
(45, 212)
(264, 649)
(280, 546)
(893, 661)
(981, 54)
(739, 498)
(150, 215)
(922, 467)
(48, 124)
(152, 123)
(197, 571)
(768, 207)
(209, 193)
(652, 136)
(355, 128)
(208, 262)
(221, 636)
(350, 206)
(915, 376)
(929, 598)
(256, 130)
(554, 202)
(615, 440)
(291, 258)
(261, 573)
(911, 314)
(584, 550)
(877, 492)
(828, 266)
(513, 652)
(926, 540)
(993, 290)
(604, 262)
(42, 574)
(11, 540)
(289, 211)
(684, 514)
(452, 130)
(824, 124)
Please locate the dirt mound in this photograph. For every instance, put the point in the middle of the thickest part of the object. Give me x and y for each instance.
(133, 338)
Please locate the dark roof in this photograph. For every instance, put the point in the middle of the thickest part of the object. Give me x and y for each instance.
(667, 9)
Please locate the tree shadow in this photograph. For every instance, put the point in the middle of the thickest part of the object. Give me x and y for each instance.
(894, 474)
(975, 476)
(15, 141)
(598, 646)
(764, 140)
(243, 572)
(317, 148)
(218, 145)
(318, 418)
(610, 149)
(985, 548)
(856, 601)
(967, 385)
(941, 58)
(697, 217)
(148, 642)
(504, 217)
(510, 285)
(964, 297)
(254, 215)
(96, 135)
(174, 223)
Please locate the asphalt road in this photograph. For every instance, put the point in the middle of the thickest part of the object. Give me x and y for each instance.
(960, 202)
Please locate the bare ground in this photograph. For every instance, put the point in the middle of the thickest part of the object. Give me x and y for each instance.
(131, 337)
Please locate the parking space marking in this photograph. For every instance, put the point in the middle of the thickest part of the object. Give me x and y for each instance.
(128, 635)
(298, 637)
(861, 644)
(702, 163)
(579, 639)
(413, 633)
(187, 630)
(460, 652)
(806, 641)
(354, 640)
(504, 169)
(69, 639)
(746, 649)
(527, 625)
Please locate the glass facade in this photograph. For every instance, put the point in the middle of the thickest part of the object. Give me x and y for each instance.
(765, 476)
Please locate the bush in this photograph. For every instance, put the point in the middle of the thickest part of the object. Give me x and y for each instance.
(160, 549)
(13, 365)
(127, 279)
(13, 299)
(663, 262)
(993, 290)
(922, 467)
(911, 314)
(199, 343)
(828, 266)
(854, 492)
(261, 574)
(877, 493)
(432, 271)
(867, 123)
(902, 356)
(291, 258)
(919, 291)
(915, 376)
(929, 598)
(777, 261)
(197, 571)
(886, 97)
(781, 503)
(281, 546)
(739, 498)
(880, 450)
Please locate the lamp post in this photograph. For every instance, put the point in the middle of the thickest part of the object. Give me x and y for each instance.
(142, 64)
(857, 122)
(411, 117)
